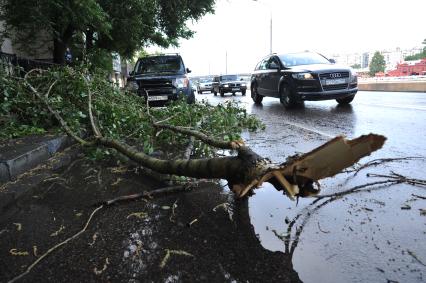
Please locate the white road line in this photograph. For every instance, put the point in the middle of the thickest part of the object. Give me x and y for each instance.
(310, 129)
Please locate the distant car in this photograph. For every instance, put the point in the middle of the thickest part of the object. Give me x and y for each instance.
(228, 83)
(296, 77)
(161, 78)
(205, 85)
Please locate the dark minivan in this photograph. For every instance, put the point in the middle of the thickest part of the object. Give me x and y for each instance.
(161, 78)
(296, 77)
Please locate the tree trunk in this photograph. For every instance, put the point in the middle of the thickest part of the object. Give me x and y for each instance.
(58, 51)
(60, 45)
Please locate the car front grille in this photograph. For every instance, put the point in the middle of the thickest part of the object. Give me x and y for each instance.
(335, 87)
(334, 75)
(234, 85)
(156, 87)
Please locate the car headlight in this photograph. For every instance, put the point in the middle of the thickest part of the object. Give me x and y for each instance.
(303, 76)
(181, 82)
(354, 76)
(132, 86)
(226, 85)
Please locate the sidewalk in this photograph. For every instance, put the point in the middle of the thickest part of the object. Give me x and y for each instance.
(20, 155)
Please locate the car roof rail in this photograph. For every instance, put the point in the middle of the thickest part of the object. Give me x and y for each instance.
(166, 54)
(159, 54)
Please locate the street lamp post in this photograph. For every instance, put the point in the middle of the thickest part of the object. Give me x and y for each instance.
(270, 36)
(226, 62)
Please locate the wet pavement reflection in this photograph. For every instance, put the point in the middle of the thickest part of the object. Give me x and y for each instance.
(371, 236)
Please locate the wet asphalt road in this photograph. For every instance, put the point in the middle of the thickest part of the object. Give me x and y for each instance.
(362, 237)
(372, 236)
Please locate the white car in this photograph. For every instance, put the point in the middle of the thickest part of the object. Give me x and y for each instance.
(205, 85)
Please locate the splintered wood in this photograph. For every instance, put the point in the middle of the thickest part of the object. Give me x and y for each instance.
(325, 161)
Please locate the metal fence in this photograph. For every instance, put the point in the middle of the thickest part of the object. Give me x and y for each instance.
(18, 66)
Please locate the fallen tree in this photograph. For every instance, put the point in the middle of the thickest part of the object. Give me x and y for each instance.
(242, 167)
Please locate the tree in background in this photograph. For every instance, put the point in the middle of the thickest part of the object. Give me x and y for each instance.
(418, 56)
(377, 64)
(356, 66)
(103, 26)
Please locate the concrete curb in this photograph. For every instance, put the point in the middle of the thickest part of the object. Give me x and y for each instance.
(17, 158)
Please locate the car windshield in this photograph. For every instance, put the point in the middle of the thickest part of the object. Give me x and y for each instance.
(159, 64)
(229, 78)
(206, 80)
(306, 58)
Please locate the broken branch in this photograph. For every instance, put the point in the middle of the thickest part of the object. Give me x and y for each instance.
(49, 251)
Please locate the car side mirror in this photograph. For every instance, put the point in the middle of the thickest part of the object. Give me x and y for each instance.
(274, 66)
(188, 70)
(332, 61)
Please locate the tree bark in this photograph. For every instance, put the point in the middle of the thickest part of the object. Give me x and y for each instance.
(60, 44)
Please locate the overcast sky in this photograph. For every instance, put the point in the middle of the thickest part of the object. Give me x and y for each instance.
(240, 28)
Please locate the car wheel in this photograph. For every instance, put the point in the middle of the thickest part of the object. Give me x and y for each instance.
(215, 93)
(233, 94)
(257, 98)
(191, 98)
(286, 98)
(243, 92)
(346, 100)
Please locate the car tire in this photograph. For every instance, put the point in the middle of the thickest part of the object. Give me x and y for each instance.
(215, 93)
(222, 93)
(346, 100)
(286, 99)
(257, 98)
(233, 94)
(243, 92)
(191, 98)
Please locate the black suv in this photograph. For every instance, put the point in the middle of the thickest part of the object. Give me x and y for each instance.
(161, 78)
(296, 77)
(228, 83)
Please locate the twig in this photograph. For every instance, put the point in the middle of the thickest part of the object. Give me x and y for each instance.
(172, 252)
(415, 257)
(92, 120)
(50, 89)
(400, 178)
(380, 161)
(173, 211)
(417, 196)
(56, 246)
(55, 113)
(319, 227)
(232, 145)
(172, 189)
(355, 189)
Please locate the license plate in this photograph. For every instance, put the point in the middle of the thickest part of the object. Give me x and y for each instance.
(157, 97)
(335, 81)
(235, 89)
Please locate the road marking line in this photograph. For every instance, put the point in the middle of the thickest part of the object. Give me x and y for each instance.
(310, 129)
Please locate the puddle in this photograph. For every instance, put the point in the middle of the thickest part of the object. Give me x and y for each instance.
(364, 237)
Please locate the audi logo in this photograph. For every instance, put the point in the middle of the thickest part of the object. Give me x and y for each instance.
(335, 75)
